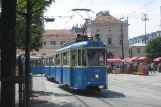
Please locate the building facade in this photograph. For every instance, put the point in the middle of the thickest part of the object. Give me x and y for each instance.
(109, 29)
(137, 44)
(142, 38)
(137, 49)
(52, 40)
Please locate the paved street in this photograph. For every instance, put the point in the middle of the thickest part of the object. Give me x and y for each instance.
(125, 90)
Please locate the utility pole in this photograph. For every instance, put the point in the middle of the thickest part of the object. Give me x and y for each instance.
(160, 16)
(145, 18)
(122, 43)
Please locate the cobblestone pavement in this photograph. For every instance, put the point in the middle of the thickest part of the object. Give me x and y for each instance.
(125, 90)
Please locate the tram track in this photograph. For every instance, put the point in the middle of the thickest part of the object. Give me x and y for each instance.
(103, 99)
(87, 98)
(105, 102)
(98, 98)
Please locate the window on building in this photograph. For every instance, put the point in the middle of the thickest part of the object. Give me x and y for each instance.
(44, 42)
(53, 42)
(61, 42)
(109, 41)
(138, 50)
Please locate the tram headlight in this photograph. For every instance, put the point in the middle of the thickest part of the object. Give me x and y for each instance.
(96, 76)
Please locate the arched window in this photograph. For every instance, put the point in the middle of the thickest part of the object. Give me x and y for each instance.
(109, 55)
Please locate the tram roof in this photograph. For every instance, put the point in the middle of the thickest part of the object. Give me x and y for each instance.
(36, 57)
(82, 44)
(47, 56)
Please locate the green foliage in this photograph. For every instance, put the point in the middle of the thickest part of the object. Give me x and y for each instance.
(153, 47)
(37, 26)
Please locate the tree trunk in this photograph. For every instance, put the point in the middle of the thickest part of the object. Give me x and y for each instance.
(27, 52)
(8, 52)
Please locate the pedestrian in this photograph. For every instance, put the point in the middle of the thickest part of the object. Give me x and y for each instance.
(152, 68)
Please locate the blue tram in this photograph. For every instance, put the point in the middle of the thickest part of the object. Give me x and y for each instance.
(37, 65)
(49, 67)
(82, 65)
(79, 65)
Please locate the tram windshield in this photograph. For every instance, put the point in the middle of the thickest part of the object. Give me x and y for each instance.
(96, 57)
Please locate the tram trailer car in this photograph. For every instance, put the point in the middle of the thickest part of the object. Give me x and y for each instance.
(49, 67)
(82, 65)
(37, 65)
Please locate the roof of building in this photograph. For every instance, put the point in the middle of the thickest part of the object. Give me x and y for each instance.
(58, 32)
(138, 44)
(150, 34)
(104, 16)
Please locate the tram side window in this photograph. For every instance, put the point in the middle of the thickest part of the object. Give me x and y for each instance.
(74, 58)
(46, 62)
(36, 62)
(64, 58)
(79, 57)
(84, 63)
(57, 59)
(52, 61)
(68, 58)
(32, 63)
(39, 62)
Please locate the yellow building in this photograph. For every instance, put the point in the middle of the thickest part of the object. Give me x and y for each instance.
(52, 40)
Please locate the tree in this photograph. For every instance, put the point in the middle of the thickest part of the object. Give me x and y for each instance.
(153, 47)
(37, 27)
(33, 9)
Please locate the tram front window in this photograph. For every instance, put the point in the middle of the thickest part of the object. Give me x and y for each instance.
(96, 58)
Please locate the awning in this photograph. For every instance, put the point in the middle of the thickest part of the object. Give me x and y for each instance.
(134, 58)
(125, 60)
(157, 59)
(114, 60)
(144, 59)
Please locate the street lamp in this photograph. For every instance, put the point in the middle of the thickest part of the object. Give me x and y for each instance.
(145, 18)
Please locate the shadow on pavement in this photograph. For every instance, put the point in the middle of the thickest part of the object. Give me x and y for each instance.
(39, 103)
(42, 93)
(102, 94)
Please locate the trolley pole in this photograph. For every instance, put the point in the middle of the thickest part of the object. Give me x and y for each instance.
(145, 18)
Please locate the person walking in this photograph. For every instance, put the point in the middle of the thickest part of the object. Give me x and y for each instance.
(152, 68)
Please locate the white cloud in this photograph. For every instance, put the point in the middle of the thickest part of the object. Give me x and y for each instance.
(117, 8)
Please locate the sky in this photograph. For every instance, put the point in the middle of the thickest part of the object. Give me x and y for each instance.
(134, 9)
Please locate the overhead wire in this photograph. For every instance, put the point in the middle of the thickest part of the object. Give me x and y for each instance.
(141, 7)
(144, 12)
(89, 3)
(73, 13)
